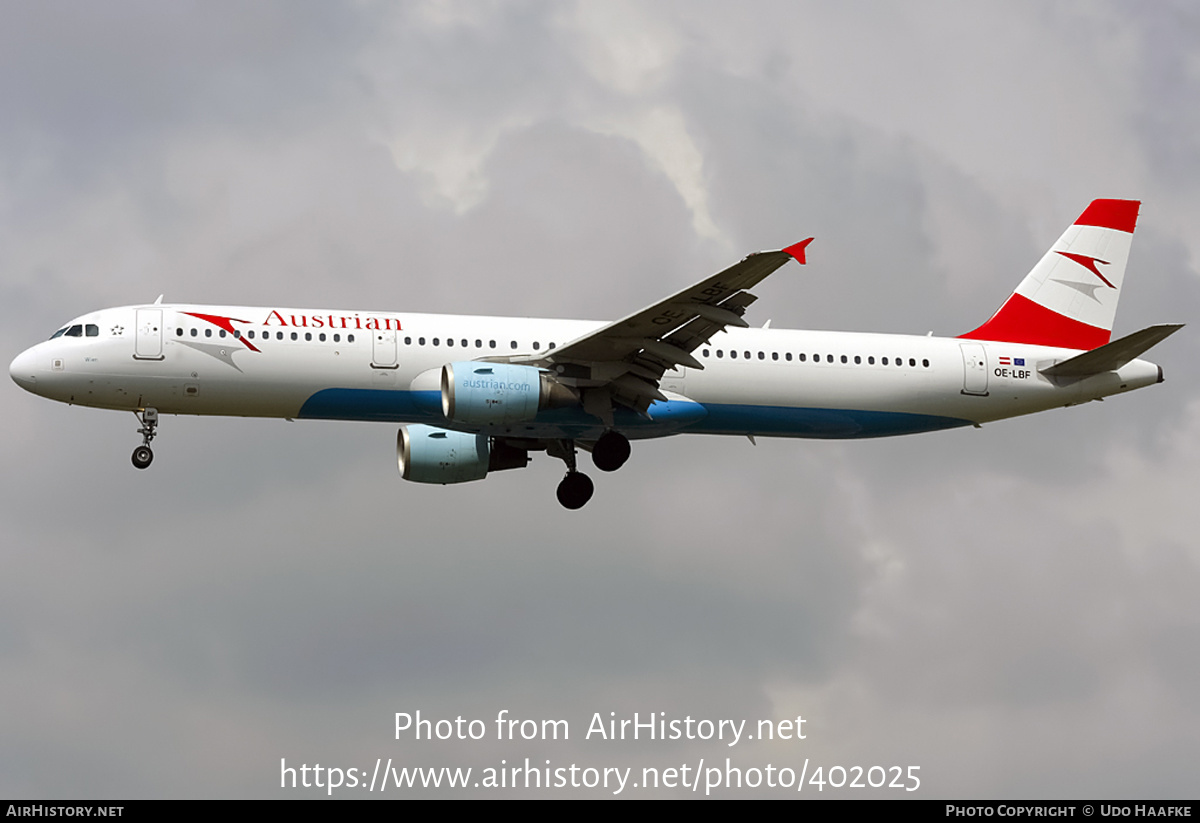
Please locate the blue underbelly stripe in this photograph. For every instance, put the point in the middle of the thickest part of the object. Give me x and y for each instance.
(384, 405)
(676, 416)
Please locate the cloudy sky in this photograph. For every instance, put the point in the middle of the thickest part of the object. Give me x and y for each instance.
(1012, 609)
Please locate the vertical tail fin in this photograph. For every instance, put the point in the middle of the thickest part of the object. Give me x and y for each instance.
(1069, 299)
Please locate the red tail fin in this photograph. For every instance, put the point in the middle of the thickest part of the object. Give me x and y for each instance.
(1069, 299)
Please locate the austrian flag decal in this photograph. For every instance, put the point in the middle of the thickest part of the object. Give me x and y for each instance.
(1012, 361)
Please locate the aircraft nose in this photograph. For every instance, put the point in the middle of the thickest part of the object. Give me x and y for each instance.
(22, 371)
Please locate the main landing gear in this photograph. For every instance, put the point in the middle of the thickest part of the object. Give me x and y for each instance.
(142, 455)
(609, 453)
(574, 490)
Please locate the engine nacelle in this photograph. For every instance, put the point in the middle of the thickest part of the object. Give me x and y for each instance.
(498, 393)
(430, 455)
(427, 454)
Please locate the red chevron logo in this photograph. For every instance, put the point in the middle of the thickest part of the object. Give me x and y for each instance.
(1089, 263)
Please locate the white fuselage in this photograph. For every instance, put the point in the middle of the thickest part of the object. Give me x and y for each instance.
(346, 365)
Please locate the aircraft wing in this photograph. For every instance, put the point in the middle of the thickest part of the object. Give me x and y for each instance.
(626, 359)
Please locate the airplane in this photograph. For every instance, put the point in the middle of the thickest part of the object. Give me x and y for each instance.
(477, 394)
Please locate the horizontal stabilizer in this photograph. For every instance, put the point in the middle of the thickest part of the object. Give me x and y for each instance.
(1114, 355)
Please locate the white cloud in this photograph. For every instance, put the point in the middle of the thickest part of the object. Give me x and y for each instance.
(662, 135)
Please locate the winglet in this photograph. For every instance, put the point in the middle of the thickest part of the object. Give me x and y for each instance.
(797, 250)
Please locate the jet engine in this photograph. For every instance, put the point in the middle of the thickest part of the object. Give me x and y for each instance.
(427, 454)
(498, 393)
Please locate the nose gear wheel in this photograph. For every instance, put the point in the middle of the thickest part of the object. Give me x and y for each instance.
(142, 455)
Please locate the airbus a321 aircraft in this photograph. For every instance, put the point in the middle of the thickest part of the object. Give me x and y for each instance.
(478, 394)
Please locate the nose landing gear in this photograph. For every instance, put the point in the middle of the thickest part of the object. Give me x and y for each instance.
(142, 455)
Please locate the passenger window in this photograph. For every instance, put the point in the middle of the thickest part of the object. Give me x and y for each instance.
(194, 332)
(179, 332)
(435, 340)
(829, 358)
(733, 353)
(491, 344)
(514, 344)
(871, 360)
(464, 343)
(803, 357)
(774, 355)
(551, 345)
(450, 342)
(322, 337)
(222, 333)
(308, 336)
(536, 345)
(720, 354)
(857, 360)
(208, 332)
(844, 359)
(278, 335)
(884, 361)
(912, 361)
(349, 338)
(479, 344)
(925, 363)
(295, 336)
(787, 356)
(337, 338)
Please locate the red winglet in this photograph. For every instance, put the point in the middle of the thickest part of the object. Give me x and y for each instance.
(797, 250)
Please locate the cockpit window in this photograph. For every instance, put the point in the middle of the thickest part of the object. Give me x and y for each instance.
(77, 330)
